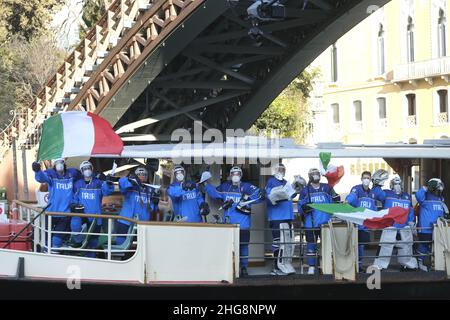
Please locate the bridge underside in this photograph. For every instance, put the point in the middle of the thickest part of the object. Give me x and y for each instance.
(223, 69)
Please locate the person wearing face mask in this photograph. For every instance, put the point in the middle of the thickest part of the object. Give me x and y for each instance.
(396, 197)
(314, 192)
(88, 193)
(234, 192)
(431, 207)
(60, 182)
(280, 214)
(178, 178)
(363, 196)
(140, 200)
(187, 200)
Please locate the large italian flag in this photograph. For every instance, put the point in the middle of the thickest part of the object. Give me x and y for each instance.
(76, 134)
(365, 217)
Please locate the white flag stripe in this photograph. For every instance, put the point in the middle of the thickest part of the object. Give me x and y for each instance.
(78, 134)
(359, 217)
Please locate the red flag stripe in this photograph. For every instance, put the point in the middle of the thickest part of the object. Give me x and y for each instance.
(394, 215)
(106, 141)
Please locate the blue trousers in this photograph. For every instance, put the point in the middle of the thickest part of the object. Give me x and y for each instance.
(75, 226)
(311, 246)
(424, 249)
(363, 236)
(121, 228)
(244, 236)
(58, 224)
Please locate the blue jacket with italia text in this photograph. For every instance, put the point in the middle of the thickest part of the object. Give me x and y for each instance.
(137, 202)
(60, 187)
(186, 202)
(228, 190)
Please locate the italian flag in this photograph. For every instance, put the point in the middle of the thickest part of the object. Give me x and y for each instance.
(331, 172)
(76, 134)
(364, 217)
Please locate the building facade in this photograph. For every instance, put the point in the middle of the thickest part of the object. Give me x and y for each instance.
(386, 81)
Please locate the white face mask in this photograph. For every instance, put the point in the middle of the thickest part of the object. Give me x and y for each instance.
(179, 177)
(59, 166)
(316, 178)
(279, 175)
(87, 173)
(235, 179)
(366, 182)
(397, 188)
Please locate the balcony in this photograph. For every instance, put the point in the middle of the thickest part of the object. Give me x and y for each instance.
(411, 121)
(427, 70)
(336, 127)
(382, 123)
(443, 118)
(357, 126)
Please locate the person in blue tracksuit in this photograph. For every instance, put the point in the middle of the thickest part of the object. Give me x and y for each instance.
(279, 212)
(431, 207)
(314, 192)
(187, 200)
(140, 201)
(363, 196)
(233, 193)
(179, 174)
(60, 180)
(88, 193)
(396, 197)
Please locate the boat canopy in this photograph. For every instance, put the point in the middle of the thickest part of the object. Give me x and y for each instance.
(285, 149)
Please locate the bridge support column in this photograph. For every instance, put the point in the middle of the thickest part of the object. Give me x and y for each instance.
(259, 220)
(24, 172)
(15, 176)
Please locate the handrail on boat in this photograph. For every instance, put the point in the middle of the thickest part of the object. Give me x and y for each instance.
(42, 234)
(118, 217)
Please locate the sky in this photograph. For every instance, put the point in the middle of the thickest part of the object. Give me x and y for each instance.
(66, 25)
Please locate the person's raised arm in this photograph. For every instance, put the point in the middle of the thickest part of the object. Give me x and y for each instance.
(421, 195)
(214, 192)
(39, 175)
(175, 191)
(352, 198)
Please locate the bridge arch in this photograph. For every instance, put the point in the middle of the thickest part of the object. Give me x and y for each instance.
(167, 63)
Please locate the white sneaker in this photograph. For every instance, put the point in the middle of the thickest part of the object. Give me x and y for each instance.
(277, 272)
(422, 266)
(373, 266)
(311, 270)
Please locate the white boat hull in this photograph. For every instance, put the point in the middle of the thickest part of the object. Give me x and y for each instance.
(165, 254)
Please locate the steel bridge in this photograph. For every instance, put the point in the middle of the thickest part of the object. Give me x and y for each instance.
(150, 67)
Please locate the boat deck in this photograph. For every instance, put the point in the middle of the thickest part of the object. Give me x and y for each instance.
(394, 285)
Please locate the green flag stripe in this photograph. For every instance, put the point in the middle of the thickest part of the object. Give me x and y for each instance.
(335, 207)
(51, 145)
(325, 158)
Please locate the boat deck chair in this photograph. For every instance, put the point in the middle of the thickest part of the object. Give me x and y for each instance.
(126, 245)
(86, 227)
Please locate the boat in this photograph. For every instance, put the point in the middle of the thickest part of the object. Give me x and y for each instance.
(177, 260)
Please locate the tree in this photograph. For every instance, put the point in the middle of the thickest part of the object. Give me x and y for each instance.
(289, 112)
(24, 69)
(93, 10)
(26, 18)
(28, 53)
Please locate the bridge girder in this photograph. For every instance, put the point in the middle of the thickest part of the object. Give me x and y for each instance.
(223, 57)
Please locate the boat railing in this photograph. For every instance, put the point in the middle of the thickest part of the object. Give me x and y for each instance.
(42, 235)
(301, 254)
